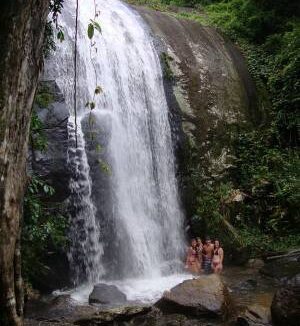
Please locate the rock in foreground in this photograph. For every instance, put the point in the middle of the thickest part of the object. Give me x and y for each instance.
(255, 315)
(107, 294)
(115, 316)
(205, 296)
(285, 307)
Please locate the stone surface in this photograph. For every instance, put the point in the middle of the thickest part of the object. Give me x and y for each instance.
(52, 164)
(205, 296)
(213, 90)
(246, 285)
(255, 263)
(115, 316)
(52, 167)
(284, 267)
(255, 315)
(56, 309)
(285, 307)
(106, 294)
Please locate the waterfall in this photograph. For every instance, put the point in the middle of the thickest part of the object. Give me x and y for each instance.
(126, 217)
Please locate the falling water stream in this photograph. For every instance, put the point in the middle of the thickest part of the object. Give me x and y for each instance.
(126, 222)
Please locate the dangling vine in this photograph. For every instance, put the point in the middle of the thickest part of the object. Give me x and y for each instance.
(93, 25)
(75, 73)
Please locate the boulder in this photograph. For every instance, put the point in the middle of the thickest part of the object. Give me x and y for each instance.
(255, 315)
(113, 316)
(281, 270)
(204, 296)
(255, 263)
(285, 307)
(107, 294)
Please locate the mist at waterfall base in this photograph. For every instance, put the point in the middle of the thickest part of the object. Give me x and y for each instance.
(126, 222)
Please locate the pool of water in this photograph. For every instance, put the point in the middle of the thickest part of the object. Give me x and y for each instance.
(137, 290)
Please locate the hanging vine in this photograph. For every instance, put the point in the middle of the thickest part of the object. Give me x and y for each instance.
(92, 27)
(75, 73)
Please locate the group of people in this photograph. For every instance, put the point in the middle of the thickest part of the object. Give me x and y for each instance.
(207, 257)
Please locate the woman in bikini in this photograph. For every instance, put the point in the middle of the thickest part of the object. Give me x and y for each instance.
(217, 261)
(192, 261)
(199, 252)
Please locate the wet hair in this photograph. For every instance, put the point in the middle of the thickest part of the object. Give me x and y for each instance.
(207, 238)
(218, 241)
(193, 240)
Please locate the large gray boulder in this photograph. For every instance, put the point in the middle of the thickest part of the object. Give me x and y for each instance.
(282, 267)
(205, 296)
(107, 294)
(285, 307)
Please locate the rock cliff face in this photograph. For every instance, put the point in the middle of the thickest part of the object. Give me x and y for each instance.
(52, 167)
(209, 91)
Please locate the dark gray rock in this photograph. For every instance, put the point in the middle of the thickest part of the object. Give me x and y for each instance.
(115, 316)
(206, 296)
(56, 309)
(255, 263)
(255, 315)
(285, 307)
(283, 267)
(107, 294)
(52, 164)
(52, 167)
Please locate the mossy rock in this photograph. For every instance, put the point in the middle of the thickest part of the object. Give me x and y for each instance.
(281, 270)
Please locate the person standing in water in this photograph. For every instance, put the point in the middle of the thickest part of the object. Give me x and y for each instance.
(207, 255)
(217, 261)
(192, 261)
(199, 251)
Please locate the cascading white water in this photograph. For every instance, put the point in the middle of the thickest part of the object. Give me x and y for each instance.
(86, 248)
(143, 234)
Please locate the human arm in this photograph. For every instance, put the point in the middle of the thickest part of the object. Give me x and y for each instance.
(188, 257)
(221, 253)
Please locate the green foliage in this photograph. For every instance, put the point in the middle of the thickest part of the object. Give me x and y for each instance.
(92, 26)
(55, 8)
(90, 31)
(42, 229)
(49, 44)
(260, 242)
(270, 176)
(38, 139)
(43, 98)
(43, 225)
(267, 164)
(60, 35)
